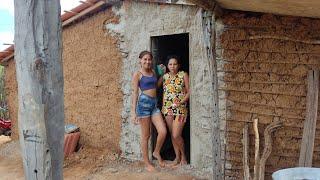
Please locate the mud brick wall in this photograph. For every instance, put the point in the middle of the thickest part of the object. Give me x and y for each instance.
(262, 65)
(92, 94)
(11, 89)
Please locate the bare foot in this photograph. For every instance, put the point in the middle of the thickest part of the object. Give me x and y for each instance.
(183, 162)
(175, 162)
(158, 157)
(179, 164)
(150, 168)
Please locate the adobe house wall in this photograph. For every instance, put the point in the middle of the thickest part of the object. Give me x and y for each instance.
(92, 70)
(92, 90)
(11, 90)
(262, 64)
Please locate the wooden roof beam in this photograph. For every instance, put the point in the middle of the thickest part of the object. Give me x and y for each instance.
(72, 12)
(86, 2)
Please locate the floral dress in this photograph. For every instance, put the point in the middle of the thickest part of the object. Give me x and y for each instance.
(174, 92)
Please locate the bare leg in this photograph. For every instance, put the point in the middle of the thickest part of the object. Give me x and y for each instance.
(145, 135)
(169, 121)
(158, 122)
(177, 128)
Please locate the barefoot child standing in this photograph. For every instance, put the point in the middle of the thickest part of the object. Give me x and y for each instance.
(175, 96)
(144, 110)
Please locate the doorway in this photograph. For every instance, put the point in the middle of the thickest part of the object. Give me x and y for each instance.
(162, 47)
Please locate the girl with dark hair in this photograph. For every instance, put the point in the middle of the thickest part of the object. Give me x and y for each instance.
(175, 96)
(144, 110)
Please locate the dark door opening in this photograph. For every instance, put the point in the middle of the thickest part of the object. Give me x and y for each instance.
(161, 47)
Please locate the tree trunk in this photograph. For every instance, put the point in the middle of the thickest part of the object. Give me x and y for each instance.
(40, 87)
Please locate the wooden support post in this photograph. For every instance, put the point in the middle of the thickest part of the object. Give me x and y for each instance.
(309, 129)
(257, 150)
(40, 87)
(209, 39)
(245, 159)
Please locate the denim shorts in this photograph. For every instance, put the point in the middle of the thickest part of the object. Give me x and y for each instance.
(147, 106)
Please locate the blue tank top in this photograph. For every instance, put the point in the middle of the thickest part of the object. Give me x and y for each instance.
(147, 82)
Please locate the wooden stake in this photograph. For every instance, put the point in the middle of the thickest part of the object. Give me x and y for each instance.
(309, 128)
(257, 151)
(40, 87)
(267, 147)
(246, 153)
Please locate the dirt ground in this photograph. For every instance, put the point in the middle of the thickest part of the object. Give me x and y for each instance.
(91, 163)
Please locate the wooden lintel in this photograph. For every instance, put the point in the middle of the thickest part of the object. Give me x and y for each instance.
(309, 128)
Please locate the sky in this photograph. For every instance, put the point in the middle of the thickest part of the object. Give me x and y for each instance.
(7, 19)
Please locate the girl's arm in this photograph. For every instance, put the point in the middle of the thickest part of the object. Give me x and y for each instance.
(160, 82)
(187, 88)
(135, 82)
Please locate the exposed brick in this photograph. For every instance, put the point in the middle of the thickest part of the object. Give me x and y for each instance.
(70, 143)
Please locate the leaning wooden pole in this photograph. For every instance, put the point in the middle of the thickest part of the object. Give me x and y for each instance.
(245, 158)
(40, 87)
(256, 151)
(309, 128)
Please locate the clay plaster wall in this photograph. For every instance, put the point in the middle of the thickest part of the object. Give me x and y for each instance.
(11, 89)
(139, 21)
(92, 71)
(265, 78)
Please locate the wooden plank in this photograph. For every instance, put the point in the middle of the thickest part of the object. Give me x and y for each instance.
(307, 145)
(38, 50)
(256, 150)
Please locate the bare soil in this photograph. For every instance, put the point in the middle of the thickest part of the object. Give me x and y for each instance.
(92, 163)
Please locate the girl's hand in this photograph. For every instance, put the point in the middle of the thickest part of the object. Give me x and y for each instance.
(134, 119)
(163, 67)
